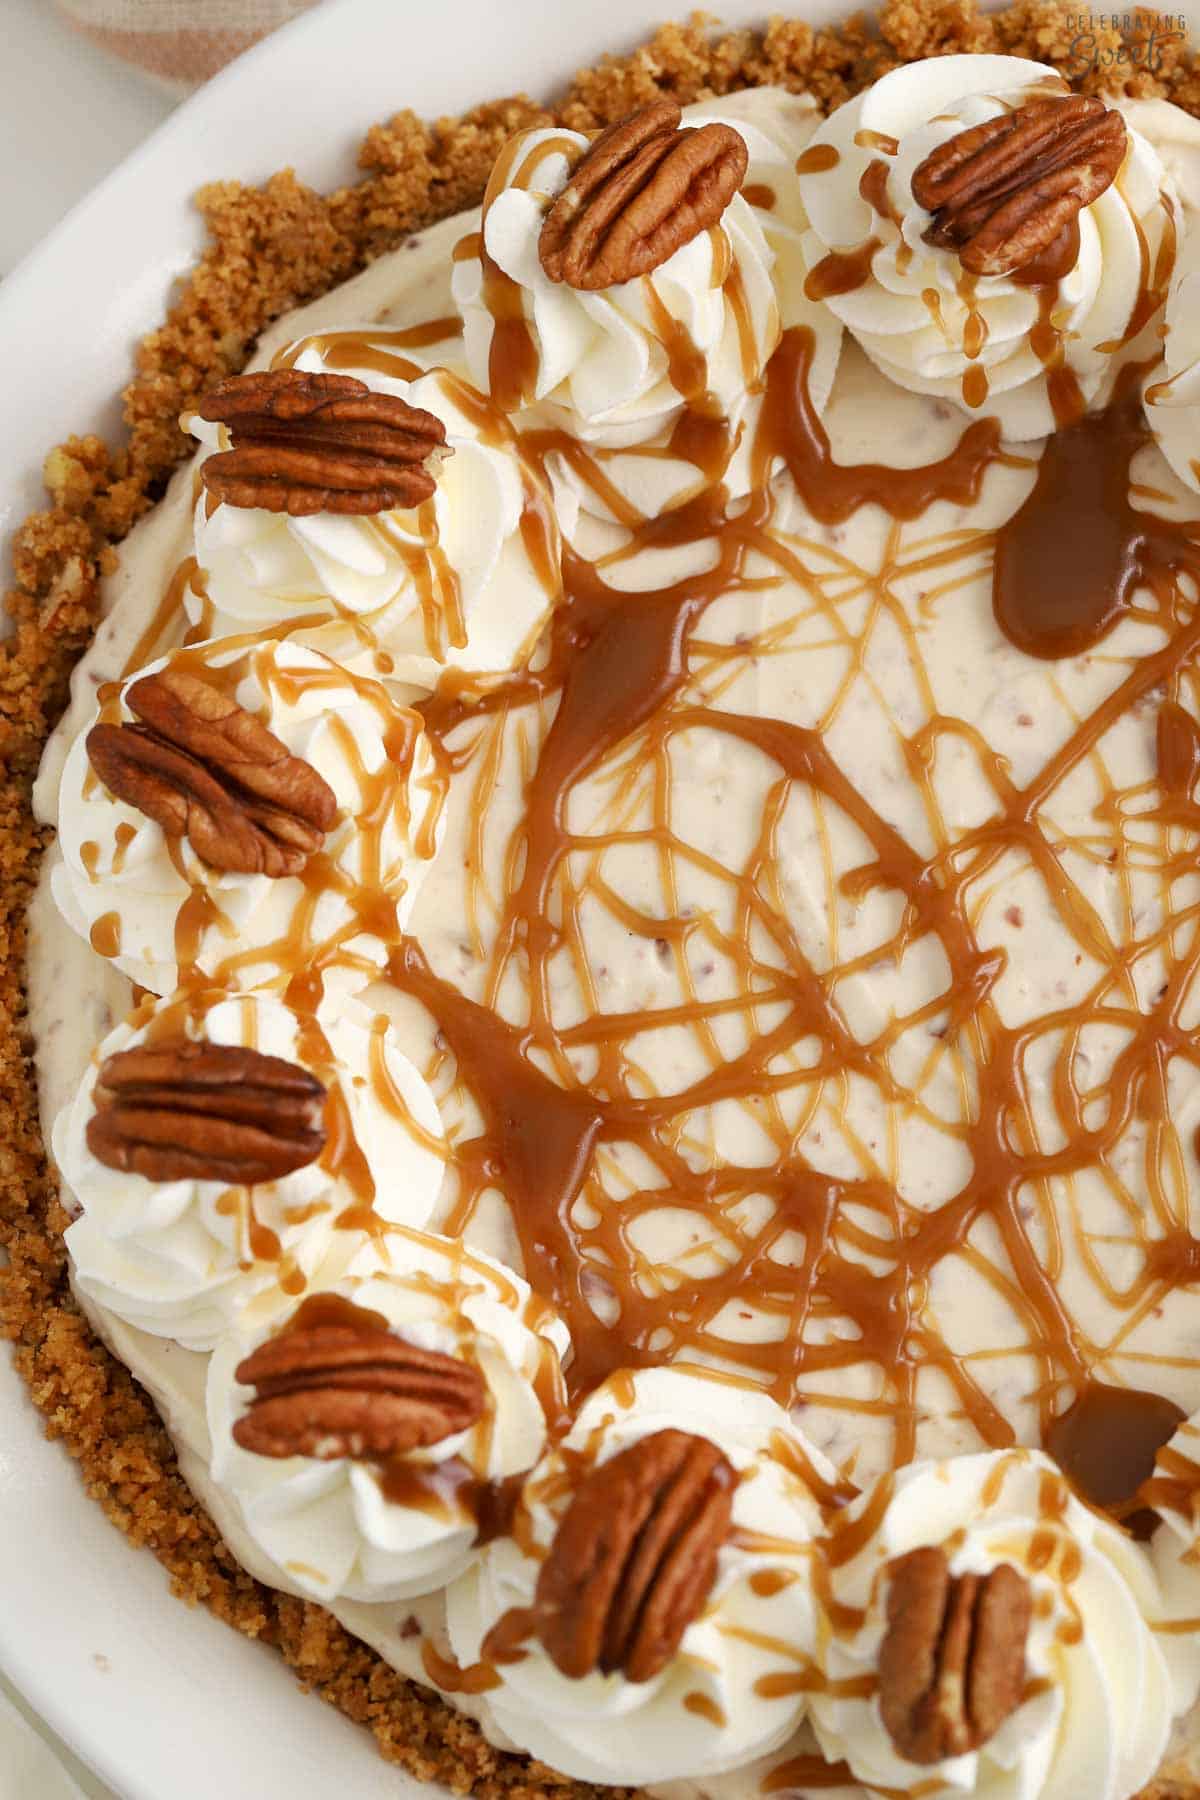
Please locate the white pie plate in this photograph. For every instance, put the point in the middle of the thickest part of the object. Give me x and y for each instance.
(162, 1703)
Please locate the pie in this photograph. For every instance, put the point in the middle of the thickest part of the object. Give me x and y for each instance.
(624, 841)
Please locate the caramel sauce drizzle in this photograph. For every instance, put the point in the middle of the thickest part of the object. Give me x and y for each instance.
(449, 1490)
(799, 1774)
(883, 141)
(1056, 260)
(841, 271)
(105, 935)
(760, 194)
(164, 621)
(622, 677)
(873, 187)
(418, 549)
(1048, 344)
(1058, 592)
(513, 360)
(1155, 281)
(303, 955)
(818, 159)
(619, 674)
(306, 951)
(1107, 1442)
(833, 491)
(974, 387)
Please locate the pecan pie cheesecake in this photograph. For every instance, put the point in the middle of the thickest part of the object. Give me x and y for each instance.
(616, 989)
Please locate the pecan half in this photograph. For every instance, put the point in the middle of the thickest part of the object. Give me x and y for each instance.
(639, 193)
(1002, 192)
(635, 1556)
(333, 1390)
(304, 443)
(205, 1112)
(204, 768)
(952, 1665)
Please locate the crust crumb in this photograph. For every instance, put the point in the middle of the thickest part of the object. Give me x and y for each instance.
(269, 249)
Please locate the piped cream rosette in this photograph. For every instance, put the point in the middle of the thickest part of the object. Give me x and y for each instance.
(180, 1225)
(986, 341)
(597, 487)
(466, 579)
(734, 1687)
(638, 391)
(1094, 1704)
(159, 909)
(1173, 1492)
(1172, 393)
(406, 1394)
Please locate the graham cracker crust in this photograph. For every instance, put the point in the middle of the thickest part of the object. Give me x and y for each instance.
(270, 249)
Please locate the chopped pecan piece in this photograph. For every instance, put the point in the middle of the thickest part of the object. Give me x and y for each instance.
(635, 1556)
(639, 193)
(329, 1391)
(1003, 192)
(952, 1665)
(205, 1112)
(204, 768)
(304, 443)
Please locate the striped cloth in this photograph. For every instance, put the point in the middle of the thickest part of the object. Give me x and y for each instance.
(179, 42)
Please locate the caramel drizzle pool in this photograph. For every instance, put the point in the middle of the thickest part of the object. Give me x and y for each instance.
(838, 1273)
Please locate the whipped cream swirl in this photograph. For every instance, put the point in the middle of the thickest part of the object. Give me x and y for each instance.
(777, 127)
(465, 580)
(735, 1689)
(987, 342)
(615, 367)
(623, 486)
(1100, 1694)
(153, 907)
(1172, 394)
(330, 1526)
(183, 1258)
(1174, 1493)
